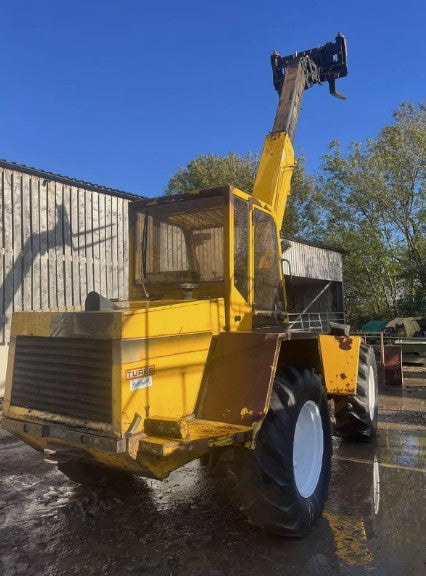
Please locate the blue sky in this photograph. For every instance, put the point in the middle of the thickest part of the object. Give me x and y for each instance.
(124, 92)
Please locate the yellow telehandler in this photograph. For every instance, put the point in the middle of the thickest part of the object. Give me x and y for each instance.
(201, 358)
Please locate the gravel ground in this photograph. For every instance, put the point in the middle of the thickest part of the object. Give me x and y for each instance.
(191, 524)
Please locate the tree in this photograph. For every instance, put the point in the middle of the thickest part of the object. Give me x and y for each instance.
(370, 201)
(211, 171)
(301, 216)
(373, 203)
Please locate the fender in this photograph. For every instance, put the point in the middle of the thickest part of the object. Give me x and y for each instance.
(240, 371)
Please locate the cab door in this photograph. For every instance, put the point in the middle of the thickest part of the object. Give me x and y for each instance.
(268, 293)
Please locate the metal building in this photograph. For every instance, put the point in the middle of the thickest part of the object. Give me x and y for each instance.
(314, 284)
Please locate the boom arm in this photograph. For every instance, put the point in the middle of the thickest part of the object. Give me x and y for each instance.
(291, 76)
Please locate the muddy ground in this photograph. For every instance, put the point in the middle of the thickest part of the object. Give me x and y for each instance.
(190, 524)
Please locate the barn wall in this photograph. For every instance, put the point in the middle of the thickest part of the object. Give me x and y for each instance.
(308, 261)
(314, 285)
(57, 243)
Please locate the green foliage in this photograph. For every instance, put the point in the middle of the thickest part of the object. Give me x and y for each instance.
(301, 216)
(373, 203)
(211, 171)
(370, 201)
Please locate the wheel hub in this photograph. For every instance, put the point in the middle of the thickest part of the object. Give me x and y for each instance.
(308, 449)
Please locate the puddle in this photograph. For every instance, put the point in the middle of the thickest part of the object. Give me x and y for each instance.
(191, 525)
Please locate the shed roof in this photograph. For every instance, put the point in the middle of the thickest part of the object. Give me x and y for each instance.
(333, 248)
(67, 180)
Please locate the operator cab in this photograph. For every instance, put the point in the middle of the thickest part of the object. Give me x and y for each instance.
(216, 243)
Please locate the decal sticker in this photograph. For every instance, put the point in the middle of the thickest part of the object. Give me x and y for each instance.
(139, 372)
(138, 383)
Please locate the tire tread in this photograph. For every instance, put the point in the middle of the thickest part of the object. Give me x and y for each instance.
(269, 494)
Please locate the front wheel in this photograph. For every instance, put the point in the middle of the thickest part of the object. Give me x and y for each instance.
(284, 480)
(356, 416)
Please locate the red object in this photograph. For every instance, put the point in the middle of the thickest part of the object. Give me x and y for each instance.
(393, 365)
(389, 365)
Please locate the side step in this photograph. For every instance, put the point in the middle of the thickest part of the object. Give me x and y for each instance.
(167, 436)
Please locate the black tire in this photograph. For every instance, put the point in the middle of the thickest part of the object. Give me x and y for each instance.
(354, 420)
(93, 475)
(267, 481)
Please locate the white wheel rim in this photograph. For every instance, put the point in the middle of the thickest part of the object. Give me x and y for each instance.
(308, 449)
(376, 485)
(371, 393)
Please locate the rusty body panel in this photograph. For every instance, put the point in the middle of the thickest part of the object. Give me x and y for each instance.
(334, 357)
(150, 456)
(392, 367)
(389, 357)
(340, 356)
(238, 378)
(231, 391)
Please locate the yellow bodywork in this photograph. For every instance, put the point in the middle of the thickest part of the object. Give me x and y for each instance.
(340, 357)
(272, 185)
(166, 342)
(175, 364)
(163, 354)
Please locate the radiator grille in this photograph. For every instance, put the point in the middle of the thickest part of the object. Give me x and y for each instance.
(65, 376)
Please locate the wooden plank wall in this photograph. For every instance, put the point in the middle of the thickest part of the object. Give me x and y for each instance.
(57, 243)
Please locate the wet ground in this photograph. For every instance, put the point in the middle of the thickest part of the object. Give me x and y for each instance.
(374, 522)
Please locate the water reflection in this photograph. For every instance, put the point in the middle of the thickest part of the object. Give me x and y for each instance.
(376, 505)
(191, 524)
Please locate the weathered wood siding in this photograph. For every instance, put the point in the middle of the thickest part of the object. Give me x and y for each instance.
(57, 243)
(308, 261)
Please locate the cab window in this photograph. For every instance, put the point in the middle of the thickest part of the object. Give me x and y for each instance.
(267, 280)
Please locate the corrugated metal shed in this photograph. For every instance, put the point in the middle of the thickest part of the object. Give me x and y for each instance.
(60, 238)
(314, 284)
(307, 260)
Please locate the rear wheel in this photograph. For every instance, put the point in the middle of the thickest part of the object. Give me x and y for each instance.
(356, 416)
(284, 480)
